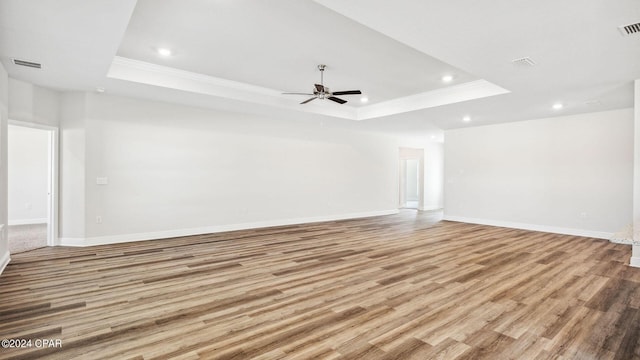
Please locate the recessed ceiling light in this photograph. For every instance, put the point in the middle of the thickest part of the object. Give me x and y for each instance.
(447, 78)
(466, 118)
(364, 99)
(433, 137)
(100, 89)
(164, 52)
(557, 106)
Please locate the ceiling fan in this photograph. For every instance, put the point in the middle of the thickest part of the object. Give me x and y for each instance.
(322, 92)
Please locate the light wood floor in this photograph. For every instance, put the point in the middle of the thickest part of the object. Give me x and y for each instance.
(396, 287)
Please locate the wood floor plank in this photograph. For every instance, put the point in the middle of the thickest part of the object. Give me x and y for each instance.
(406, 286)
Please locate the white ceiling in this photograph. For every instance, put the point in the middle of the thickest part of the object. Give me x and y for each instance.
(278, 44)
(239, 55)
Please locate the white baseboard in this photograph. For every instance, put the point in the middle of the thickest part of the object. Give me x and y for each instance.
(115, 239)
(532, 227)
(28, 221)
(635, 256)
(71, 241)
(4, 261)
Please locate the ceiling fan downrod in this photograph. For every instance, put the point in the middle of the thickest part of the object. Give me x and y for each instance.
(321, 68)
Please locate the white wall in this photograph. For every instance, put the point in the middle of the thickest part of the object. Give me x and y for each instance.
(4, 113)
(175, 169)
(28, 152)
(635, 252)
(71, 214)
(571, 174)
(33, 104)
(433, 176)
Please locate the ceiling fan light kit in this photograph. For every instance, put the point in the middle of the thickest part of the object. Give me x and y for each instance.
(322, 92)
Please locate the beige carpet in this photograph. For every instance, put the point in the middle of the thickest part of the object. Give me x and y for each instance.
(628, 235)
(27, 237)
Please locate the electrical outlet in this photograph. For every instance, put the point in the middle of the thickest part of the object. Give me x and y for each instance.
(102, 180)
(98, 219)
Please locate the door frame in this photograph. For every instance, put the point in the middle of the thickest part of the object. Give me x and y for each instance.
(52, 175)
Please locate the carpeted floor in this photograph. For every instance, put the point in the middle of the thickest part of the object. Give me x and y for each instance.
(27, 237)
(626, 235)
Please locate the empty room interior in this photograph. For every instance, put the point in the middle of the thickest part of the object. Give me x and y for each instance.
(319, 179)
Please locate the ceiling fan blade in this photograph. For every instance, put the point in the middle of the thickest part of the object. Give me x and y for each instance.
(338, 100)
(297, 94)
(319, 88)
(347, 92)
(306, 101)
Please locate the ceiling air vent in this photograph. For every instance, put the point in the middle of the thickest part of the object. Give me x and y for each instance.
(525, 62)
(629, 29)
(27, 63)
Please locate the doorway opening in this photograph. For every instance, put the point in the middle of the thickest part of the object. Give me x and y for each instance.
(412, 191)
(32, 173)
(411, 178)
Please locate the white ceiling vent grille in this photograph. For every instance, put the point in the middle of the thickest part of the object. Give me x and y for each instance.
(525, 62)
(629, 29)
(26, 63)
